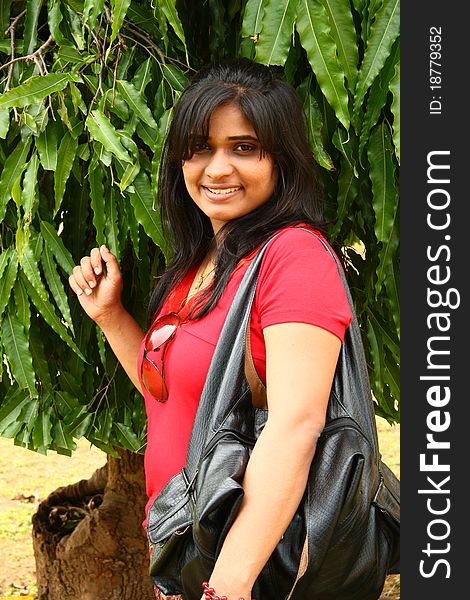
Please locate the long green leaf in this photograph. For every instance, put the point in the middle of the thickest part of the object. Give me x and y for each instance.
(42, 437)
(384, 32)
(314, 31)
(377, 96)
(277, 27)
(21, 305)
(4, 258)
(344, 34)
(11, 407)
(57, 247)
(119, 10)
(12, 169)
(56, 286)
(145, 214)
(19, 358)
(348, 189)
(252, 19)
(30, 34)
(54, 18)
(30, 267)
(9, 278)
(383, 180)
(5, 7)
(48, 313)
(29, 194)
(36, 89)
(136, 103)
(65, 157)
(314, 118)
(111, 223)
(95, 177)
(46, 143)
(92, 9)
(4, 122)
(103, 131)
(128, 438)
(395, 89)
(168, 7)
(40, 360)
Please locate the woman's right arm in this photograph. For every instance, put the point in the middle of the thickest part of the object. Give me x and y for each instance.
(99, 293)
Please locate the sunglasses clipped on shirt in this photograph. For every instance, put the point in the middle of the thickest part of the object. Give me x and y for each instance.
(157, 339)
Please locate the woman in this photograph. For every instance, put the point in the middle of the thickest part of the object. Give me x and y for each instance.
(236, 168)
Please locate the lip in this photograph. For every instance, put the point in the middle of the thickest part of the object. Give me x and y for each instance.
(218, 193)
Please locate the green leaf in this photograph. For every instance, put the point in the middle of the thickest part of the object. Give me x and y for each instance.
(395, 89)
(12, 169)
(65, 157)
(136, 102)
(128, 438)
(168, 7)
(46, 143)
(344, 34)
(130, 174)
(30, 36)
(392, 279)
(5, 8)
(54, 18)
(314, 118)
(95, 177)
(377, 96)
(4, 258)
(62, 441)
(348, 190)
(57, 247)
(4, 122)
(315, 36)
(21, 305)
(104, 426)
(64, 402)
(119, 10)
(385, 335)
(175, 77)
(79, 422)
(29, 194)
(384, 31)
(11, 407)
(36, 89)
(47, 312)
(103, 131)
(56, 286)
(17, 351)
(385, 196)
(30, 267)
(73, 21)
(42, 437)
(92, 9)
(111, 223)
(145, 214)
(40, 361)
(277, 28)
(252, 19)
(8, 280)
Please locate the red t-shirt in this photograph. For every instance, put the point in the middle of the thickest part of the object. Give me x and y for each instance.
(298, 282)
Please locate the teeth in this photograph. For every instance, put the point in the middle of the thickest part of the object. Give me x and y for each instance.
(223, 191)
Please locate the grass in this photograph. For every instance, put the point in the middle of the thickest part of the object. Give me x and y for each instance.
(26, 478)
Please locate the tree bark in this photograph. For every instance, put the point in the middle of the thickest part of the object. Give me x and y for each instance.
(88, 539)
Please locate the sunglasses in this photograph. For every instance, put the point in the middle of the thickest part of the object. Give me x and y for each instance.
(157, 339)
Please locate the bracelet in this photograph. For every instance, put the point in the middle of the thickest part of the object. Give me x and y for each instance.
(209, 593)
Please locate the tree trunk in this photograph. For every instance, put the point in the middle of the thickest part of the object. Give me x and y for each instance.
(88, 539)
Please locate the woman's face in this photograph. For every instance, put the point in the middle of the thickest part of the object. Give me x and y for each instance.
(228, 176)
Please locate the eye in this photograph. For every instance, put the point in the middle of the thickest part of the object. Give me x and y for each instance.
(245, 148)
(200, 147)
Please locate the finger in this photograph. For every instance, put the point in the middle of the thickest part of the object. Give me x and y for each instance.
(80, 280)
(87, 271)
(112, 266)
(96, 262)
(75, 287)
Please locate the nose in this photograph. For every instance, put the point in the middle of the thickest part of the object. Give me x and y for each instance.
(219, 165)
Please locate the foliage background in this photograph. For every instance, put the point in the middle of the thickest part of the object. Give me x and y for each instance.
(87, 90)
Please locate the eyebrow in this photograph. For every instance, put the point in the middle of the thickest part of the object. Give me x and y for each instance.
(243, 137)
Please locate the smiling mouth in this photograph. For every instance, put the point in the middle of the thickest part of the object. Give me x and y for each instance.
(222, 191)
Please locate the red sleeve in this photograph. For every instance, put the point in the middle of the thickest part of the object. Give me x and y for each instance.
(299, 282)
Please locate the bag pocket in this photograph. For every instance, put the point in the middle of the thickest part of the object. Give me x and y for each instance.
(387, 501)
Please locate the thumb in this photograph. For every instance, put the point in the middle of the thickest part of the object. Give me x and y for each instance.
(112, 267)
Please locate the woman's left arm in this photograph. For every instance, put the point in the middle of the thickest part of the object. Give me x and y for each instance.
(300, 365)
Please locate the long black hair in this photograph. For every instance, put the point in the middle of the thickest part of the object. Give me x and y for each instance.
(275, 112)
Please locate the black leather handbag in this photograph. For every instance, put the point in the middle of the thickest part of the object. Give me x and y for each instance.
(344, 537)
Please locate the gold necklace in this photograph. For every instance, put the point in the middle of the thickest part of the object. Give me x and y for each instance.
(201, 278)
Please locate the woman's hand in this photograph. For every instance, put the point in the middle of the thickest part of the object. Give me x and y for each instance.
(228, 590)
(97, 281)
(99, 292)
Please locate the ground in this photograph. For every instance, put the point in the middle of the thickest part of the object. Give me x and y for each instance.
(26, 478)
